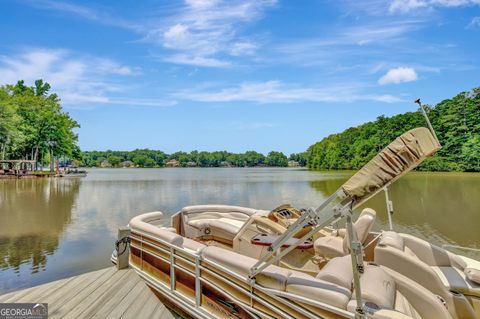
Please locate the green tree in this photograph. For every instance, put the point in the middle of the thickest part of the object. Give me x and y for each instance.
(456, 122)
(37, 125)
(114, 160)
(276, 159)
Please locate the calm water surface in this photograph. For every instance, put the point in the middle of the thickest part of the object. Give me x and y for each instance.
(55, 228)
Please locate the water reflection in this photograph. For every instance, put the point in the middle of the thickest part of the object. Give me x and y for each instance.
(55, 228)
(439, 207)
(33, 216)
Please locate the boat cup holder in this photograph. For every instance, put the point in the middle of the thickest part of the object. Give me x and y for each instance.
(370, 307)
(256, 238)
(207, 231)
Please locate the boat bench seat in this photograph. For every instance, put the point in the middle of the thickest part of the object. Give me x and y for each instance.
(388, 294)
(435, 268)
(278, 278)
(222, 222)
(223, 228)
(145, 224)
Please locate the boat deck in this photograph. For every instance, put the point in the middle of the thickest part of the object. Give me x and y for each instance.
(105, 293)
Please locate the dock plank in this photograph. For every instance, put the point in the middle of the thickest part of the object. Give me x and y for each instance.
(106, 293)
(72, 299)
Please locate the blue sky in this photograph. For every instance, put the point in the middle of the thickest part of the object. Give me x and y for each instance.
(238, 75)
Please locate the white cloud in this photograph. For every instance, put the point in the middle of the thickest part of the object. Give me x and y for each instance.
(340, 46)
(204, 32)
(99, 16)
(78, 80)
(404, 6)
(197, 61)
(278, 92)
(474, 23)
(243, 48)
(398, 75)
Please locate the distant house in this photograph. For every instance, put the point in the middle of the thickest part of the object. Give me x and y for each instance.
(127, 164)
(105, 163)
(191, 164)
(173, 163)
(225, 164)
(293, 164)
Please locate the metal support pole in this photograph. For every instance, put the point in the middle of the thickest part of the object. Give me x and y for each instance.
(311, 216)
(356, 254)
(172, 269)
(198, 288)
(389, 208)
(427, 120)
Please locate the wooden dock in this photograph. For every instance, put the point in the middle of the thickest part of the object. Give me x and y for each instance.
(106, 293)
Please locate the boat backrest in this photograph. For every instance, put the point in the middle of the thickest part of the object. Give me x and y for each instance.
(418, 260)
(278, 278)
(388, 294)
(304, 285)
(145, 224)
(426, 304)
(363, 225)
(338, 270)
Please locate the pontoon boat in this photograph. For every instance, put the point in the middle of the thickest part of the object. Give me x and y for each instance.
(217, 261)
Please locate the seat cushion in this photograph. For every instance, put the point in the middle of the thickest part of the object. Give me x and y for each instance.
(193, 245)
(338, 271)
(378, 287)
(224, 228)
(364, 223)
(404, 306)
(273, 277)
(392, 239)
(472, 274)
(307, 286)
(456, 280)
(330, 246)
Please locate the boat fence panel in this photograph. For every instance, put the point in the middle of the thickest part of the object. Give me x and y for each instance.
(213, 289)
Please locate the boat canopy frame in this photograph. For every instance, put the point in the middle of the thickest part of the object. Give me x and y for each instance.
(401, 156)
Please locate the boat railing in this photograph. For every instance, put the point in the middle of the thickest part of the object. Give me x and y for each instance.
(201, 265)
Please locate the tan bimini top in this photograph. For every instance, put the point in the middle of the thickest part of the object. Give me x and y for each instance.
(402, 155)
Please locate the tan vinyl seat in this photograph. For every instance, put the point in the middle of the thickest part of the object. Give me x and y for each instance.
(337, 244)
(319, 290)
(339, 271)
(273, 277)
(221, 222)
(278, 278)
(388, 294)
(438, 270)
(146, 224)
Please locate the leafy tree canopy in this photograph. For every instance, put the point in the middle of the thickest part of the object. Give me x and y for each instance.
(33, 125)
(456, 122)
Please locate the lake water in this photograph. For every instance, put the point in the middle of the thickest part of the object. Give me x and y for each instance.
(56, 228)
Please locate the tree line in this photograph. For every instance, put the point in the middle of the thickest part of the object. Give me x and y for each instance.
(153, 158)
(456, 122)
(33, 125)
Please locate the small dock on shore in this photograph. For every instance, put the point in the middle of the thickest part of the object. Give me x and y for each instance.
(105, 293)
